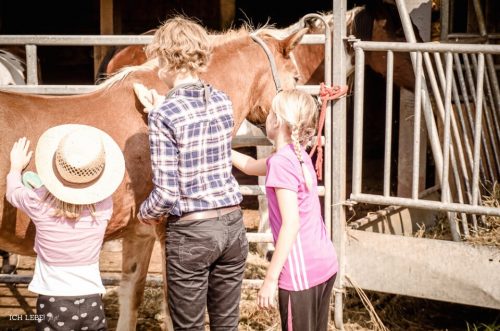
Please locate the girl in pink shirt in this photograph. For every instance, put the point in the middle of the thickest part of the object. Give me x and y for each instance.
(304, 263)
(79, 167)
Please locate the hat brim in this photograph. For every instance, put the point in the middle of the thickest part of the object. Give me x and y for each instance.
(99, 189)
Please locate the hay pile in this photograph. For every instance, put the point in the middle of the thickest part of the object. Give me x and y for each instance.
(488, 233)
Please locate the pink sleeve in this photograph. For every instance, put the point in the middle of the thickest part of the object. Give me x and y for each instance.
(20, 196)
(281, 173)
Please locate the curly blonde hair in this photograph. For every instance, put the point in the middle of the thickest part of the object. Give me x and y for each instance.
(299, 111)
(181, 45)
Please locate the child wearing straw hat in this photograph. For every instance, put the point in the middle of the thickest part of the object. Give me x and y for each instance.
(304, 264)
(79, 167)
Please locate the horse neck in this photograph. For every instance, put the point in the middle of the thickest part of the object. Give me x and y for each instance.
(228, 63)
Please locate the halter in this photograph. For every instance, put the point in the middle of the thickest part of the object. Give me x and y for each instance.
(270, 57)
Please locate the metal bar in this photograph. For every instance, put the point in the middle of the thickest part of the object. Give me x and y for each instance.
(470, 81)
(372, 217)
(473, 35)
(496, 92)
(456, 134)
(357, 148)
(52, 89)
(445, 184)
(489, 120)
(480, 18)
(31, 65)
(425, 204)
(466, 127)
(338, 126)
(477, 132)
(104, 40)
(78, 89)
(448, 151)
(496, 89)
(426, 47)
(442, 114)
(388, 123)
(114, 280)
(491, 165)
(416, 128)
(444, 19)
(75, 40)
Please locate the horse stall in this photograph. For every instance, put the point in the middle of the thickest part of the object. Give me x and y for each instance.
(453, 105)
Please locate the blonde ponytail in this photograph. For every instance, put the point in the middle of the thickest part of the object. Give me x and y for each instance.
(298, 151)
(68, 210)
(298, 110)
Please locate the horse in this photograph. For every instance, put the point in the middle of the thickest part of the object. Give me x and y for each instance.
(114, 108)
(375, 21)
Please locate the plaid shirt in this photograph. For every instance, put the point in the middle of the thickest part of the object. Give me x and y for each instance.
(190, 143)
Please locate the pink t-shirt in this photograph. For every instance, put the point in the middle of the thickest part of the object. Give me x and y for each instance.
(313, 259)
(60, 242)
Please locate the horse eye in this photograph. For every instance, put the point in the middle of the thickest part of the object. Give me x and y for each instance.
(296, 78)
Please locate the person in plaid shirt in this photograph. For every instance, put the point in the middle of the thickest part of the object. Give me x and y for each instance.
(190, 135)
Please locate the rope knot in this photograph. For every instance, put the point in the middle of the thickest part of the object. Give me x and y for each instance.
(326, 94)
(331, 93)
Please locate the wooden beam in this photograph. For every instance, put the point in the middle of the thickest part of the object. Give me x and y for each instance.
(106, 26)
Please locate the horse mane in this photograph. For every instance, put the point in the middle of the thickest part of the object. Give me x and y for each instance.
(221, 39)
(124, 72)
(217, 40)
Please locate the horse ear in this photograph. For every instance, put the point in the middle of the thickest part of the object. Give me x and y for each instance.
(293, 40)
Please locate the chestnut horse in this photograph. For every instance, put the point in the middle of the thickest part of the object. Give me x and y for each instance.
(239, 66)
(377, 21)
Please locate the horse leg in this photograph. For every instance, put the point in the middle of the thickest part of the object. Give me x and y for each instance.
(9, 262)
(136, 253)
(160, 235)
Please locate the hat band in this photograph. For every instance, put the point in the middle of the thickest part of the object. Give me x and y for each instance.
(67, 183)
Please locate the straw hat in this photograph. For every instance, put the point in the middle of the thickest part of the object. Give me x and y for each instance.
(79, 164)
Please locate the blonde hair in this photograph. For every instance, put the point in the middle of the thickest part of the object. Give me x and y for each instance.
(180, 45)
(67, 210)
(298, 110)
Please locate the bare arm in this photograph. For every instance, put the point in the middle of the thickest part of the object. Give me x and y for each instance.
(289, 210)
(248, 164)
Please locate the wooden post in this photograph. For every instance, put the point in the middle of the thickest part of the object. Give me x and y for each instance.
(106, 19)
(227, 11)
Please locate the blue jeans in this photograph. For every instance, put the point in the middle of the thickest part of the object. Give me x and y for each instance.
(205, 265)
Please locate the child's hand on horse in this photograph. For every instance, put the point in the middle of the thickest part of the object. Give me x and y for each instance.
(19, 155)
(149, 98)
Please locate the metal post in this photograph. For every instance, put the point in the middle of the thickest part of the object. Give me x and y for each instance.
(388, 123)
(416, 128)
(338, 126)
(445, 19)
(477, 130)
(31, 65)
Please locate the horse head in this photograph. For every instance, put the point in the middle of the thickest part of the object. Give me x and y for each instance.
(242, 68)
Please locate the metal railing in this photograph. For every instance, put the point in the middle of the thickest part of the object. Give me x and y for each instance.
(452, 165)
